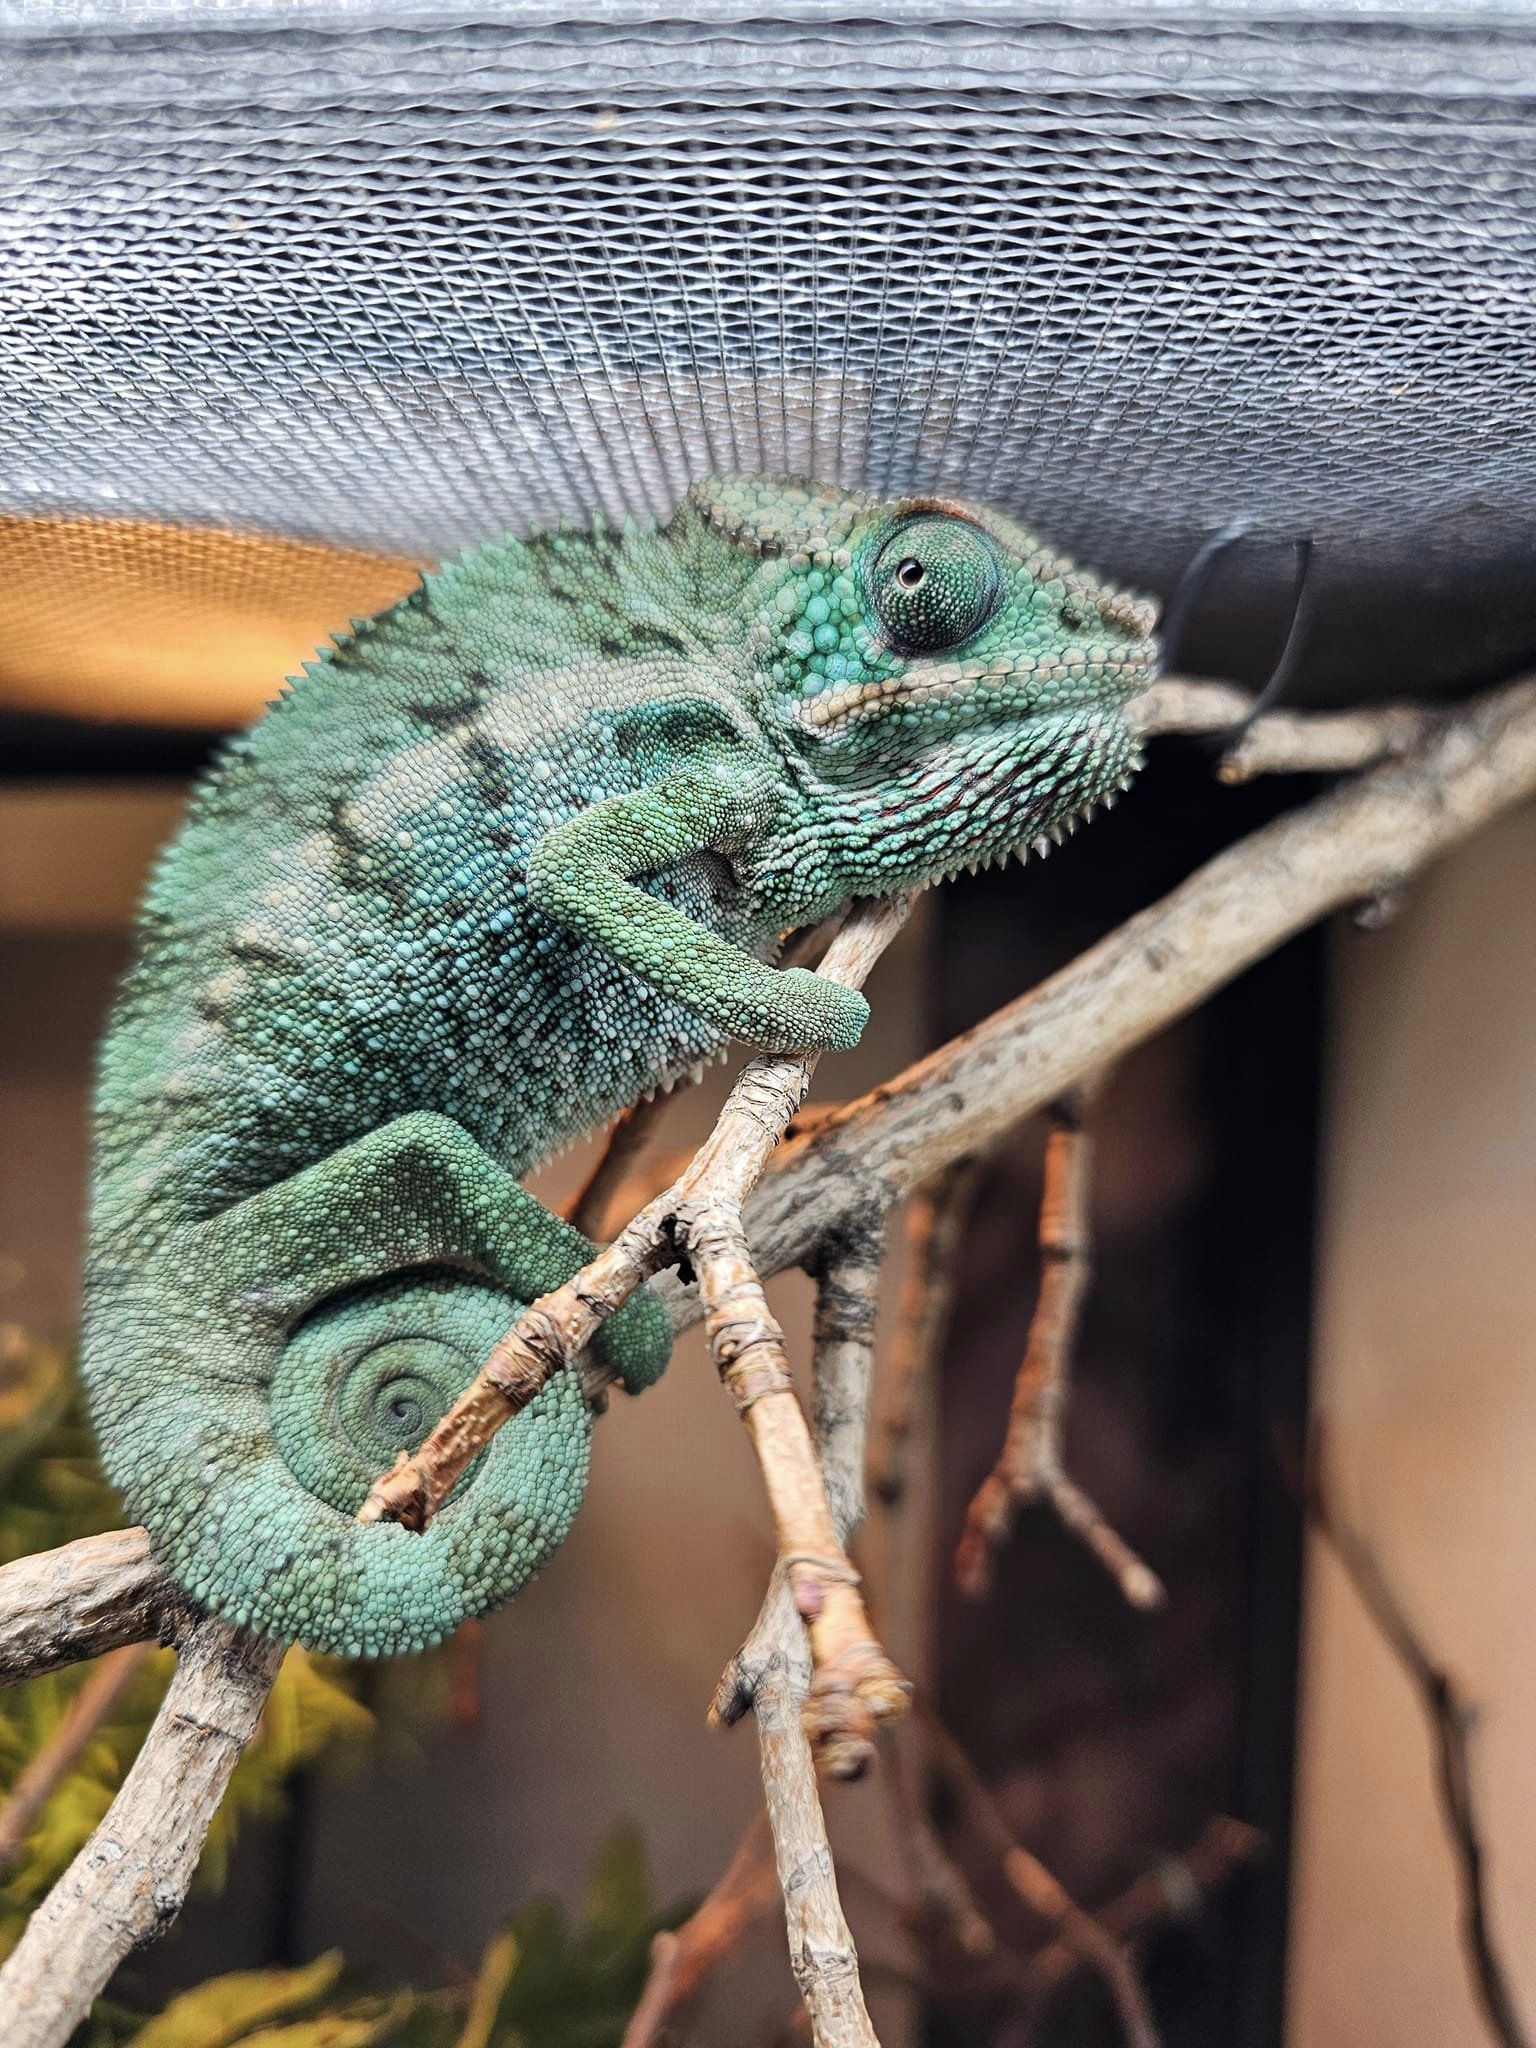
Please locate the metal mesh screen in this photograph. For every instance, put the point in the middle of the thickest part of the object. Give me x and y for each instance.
(396, 278)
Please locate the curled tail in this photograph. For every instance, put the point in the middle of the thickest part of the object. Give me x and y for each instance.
(251, 1376)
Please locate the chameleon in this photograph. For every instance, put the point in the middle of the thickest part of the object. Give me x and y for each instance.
(501, 860)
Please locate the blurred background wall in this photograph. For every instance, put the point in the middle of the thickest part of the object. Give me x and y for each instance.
(1426, 1382)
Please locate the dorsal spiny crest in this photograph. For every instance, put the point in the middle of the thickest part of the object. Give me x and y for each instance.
(777, 515)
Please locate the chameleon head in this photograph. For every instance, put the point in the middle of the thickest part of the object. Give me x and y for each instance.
(949, 685)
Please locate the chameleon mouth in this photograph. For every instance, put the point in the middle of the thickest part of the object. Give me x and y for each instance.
(1089, 674)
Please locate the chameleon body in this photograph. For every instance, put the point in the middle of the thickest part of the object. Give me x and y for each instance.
(505, 858)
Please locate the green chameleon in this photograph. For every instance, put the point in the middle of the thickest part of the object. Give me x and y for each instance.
(507, 857)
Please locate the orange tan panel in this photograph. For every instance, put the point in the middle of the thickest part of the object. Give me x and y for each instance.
(170, 625)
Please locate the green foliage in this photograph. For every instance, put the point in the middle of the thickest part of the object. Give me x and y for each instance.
(546, 1981)
(226, 2009)
(51, 1492)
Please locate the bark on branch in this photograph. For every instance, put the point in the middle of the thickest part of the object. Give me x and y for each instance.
(85, 1598)
(127, 1884)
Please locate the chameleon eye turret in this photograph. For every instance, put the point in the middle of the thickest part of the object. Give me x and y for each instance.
(935, 583)
(501, 861)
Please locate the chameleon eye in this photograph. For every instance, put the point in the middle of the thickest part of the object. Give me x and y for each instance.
(935, 584)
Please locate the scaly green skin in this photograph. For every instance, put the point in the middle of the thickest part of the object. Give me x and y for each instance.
(508, 857)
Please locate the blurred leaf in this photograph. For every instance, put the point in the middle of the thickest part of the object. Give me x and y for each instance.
(497, 1968)
(34, 1392)
(575, 1988)
(53, 1492)
(226, 2008)
(357, 2026)
(619, 1904)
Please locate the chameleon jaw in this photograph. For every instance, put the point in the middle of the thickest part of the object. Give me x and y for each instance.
(1084, 671)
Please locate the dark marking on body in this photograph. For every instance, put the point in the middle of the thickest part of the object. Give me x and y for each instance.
(361, 869)
(642, 634)
(488, 771)
(252, 953)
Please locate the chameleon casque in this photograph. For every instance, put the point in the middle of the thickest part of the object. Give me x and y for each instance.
(502, 860)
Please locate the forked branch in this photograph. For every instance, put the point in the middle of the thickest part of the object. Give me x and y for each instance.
(127, 1884)
(1029, 1466)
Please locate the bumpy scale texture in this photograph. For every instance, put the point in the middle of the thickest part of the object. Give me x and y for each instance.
(506, 858)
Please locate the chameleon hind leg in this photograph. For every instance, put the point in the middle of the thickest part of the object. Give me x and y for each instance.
(317, 1329)
(413, 1192)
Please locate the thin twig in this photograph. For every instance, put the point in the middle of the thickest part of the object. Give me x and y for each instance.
(44, 1773)
(683, 1957)
(1283, 742)
(943, 1905)
(127, 1884)
(935, 1224)
(1452, 1720)
(1029, 1466)
(1043, 1892)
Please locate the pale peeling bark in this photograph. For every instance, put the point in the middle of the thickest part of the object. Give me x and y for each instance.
(81, 1600)
(127, 1884)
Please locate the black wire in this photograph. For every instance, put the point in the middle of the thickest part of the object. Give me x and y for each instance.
(1191, 588)
(1290, 654)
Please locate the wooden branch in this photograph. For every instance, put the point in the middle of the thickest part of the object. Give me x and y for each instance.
(81, 1600)
(1452, 1721)
(1029, 1466)
(771, 1675)
(1346, 846)
(854, 1683)
(821, 1950)
(45, 1772)
(683, 1958)
(1043, 1892)
(1282, 742)
(935, 1222)
(845, 1312)
(774, 1669)
(127, 1884)
(698, 1220)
